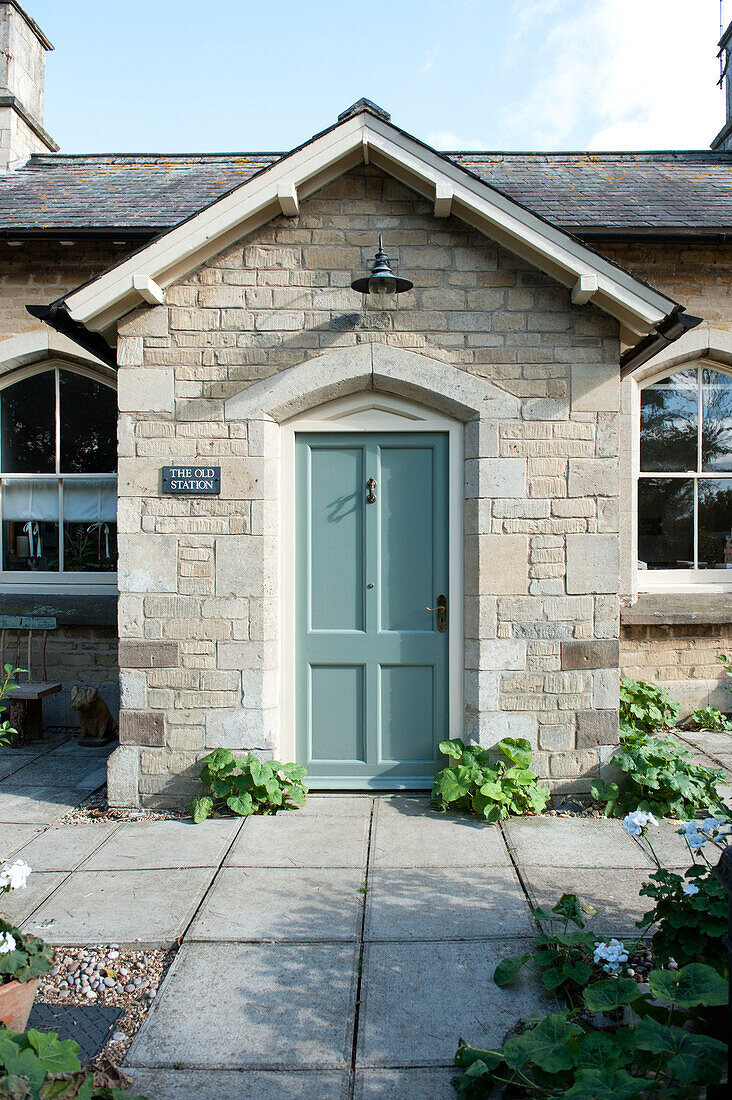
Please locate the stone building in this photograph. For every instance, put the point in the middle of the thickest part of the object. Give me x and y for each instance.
(347, 525)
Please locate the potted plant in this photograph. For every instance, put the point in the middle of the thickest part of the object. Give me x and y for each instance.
(23, 958)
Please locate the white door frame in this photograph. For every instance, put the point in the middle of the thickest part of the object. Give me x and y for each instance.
(370, 411)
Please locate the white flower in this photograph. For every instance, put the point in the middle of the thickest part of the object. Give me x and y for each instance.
(635, 822)
(613, 954)
(690, 888)
(7, 943)
(14, 875)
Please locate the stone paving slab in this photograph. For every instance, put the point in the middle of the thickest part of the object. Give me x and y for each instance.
(709, 742)
(406, 805)
(136, 908)
(14, 837)
(446, 904)
(252, 1006)
(19, 904)
(436, 840)
(417, 999)
(281, 904)
(404, 1084)
(671, 849)
(614, 893)
(63, 847)
(173, 1084)
(62, 771)
(572, 842)
(291, 840)
(10, 764)
(40, 805)
(148, 845)
(342, 805)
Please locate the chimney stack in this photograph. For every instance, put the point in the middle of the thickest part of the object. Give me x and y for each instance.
(723, 140)
(23, 47)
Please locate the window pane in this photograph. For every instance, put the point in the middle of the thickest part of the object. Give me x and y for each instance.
(30, 525)
(665, 523)
(29, 425)
(88, 426)
(715, 523)
(716, 421)
(90, 526)
(669, 414)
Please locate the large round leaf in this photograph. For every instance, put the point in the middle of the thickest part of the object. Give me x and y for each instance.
(606, 996)
(551, 1045)
(692, 985)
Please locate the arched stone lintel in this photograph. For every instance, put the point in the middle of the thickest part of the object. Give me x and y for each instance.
(343, 371)
(39, 344)
(704, 342)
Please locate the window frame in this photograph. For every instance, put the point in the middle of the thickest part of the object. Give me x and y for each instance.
(47, 581)
(677, 580)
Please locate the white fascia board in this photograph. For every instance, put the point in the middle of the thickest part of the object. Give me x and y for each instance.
(253, 203)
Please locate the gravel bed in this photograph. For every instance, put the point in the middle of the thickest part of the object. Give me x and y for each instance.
(108, 975)
(96, 808)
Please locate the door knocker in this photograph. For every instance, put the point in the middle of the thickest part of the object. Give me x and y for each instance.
(371, 494)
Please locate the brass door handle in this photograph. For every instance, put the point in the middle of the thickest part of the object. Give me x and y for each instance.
(441, 610)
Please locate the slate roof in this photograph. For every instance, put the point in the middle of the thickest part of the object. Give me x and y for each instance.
(586, 193)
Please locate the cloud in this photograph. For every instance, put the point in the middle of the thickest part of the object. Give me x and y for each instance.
(429, 60)
(621, 73)
(444, 139)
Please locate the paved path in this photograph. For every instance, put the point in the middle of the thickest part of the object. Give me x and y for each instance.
(334, 952)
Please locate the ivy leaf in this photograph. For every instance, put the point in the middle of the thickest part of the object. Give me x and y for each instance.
(508, 969)
(241, 804)
(598, 1084)
(570, 909)
(201, 808)
(701, 1060)
(517, 749)
(608, 995)
(453, 748)
(550, 1045)
(692, 985)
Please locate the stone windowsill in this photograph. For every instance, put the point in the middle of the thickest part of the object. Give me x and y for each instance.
(678, 609)
(82, 609)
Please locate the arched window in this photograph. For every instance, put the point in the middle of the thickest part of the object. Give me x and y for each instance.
(685, 477)
(58, 482)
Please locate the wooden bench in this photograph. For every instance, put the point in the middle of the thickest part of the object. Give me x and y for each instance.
(25, 701)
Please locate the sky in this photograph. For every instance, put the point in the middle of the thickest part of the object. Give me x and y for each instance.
(240, 75)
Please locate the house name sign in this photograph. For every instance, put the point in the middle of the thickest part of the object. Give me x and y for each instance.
(191, 479)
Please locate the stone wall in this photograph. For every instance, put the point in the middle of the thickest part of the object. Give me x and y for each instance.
(683, 659)
(199, 578)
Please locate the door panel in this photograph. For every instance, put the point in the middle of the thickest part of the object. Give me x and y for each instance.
(372, 673)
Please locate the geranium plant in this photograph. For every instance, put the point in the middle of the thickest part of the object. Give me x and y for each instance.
(36, 1065)
(708, 718)
(248, 786)
(646, 707)
(22, 956)
(490, 783)
(7, 684)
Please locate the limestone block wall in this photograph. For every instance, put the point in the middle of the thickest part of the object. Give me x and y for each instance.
(683, 659)
(199, 577)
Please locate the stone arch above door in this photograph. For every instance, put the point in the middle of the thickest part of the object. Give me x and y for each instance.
(344, 371)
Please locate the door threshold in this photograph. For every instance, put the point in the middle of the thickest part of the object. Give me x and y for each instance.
(378, 784)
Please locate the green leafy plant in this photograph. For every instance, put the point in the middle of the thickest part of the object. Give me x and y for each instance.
(726, 663)
(28, 958)
(36, 1065)
(708, 718)
(571, 1054)
(660, 777)
(490, 783)
(8, 683)
(562, 956)
(689, 914)
(248, 786)
(646, 707)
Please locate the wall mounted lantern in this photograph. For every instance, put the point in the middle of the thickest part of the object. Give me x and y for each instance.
(382, 280)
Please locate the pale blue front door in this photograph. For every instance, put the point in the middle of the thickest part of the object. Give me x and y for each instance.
(372, 660)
